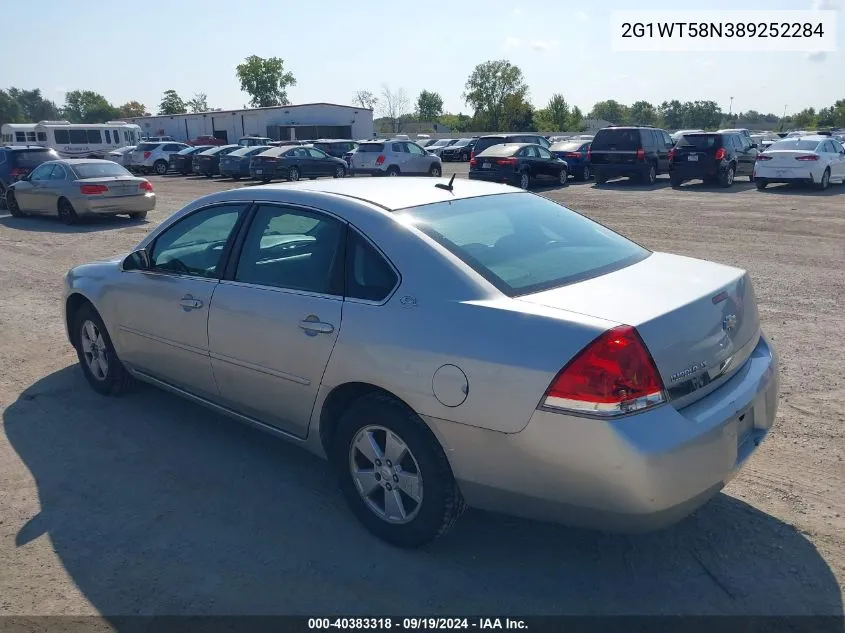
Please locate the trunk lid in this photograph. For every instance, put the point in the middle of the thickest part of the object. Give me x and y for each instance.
(118, 186)
(787, 159)
(698, 319)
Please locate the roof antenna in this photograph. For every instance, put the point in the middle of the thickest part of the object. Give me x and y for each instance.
(448, 187)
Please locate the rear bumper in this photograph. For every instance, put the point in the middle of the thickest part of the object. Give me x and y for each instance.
(640, 472)
(115, 205)
(693, 171)
(366, 172)
(775, 175)
(620, 171)
(493, 176)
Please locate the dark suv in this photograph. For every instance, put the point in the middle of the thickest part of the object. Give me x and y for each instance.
(17, 161)
(712, 157)
(336, 147)
(497, 139)
(635, 152)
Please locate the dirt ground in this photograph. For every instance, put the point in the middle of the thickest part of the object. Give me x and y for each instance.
(150, 505)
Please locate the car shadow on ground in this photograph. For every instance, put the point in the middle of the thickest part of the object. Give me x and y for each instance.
(699, 186)
(630, 184)
(803, 190)
(50, 224)
(156, 506)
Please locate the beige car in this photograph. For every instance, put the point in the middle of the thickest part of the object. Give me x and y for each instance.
(81, 187)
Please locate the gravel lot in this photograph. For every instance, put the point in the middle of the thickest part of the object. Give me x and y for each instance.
(150, 505)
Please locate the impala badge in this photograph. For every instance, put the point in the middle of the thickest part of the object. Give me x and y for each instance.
(729, 323)
(689, 371)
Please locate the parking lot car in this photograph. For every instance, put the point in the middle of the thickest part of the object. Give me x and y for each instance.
(293, 163)
(394, 158)
(16, 161)
(208, 161)
(812, 160)
(633, 152)
(80, 187)
(576, 155)
(155, 157)
(519, 164)
(182, 162)
(676, 135)
(438, 146)
(461, 150)
(235, 165)
(122, 155)
(481, 358)
(207, 140)
(157, 139)
(251, 141)
(335, 147)
(484, 142)
(712, 157)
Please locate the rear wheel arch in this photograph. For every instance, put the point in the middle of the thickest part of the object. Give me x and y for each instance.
(341, 398)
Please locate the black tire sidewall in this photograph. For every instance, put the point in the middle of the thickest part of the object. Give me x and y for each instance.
(438, 484)
(70, 217)
(111, 383)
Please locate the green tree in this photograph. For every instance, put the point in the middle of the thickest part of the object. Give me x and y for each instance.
(672, 114)
(132, 109)
(171, 103)
(642, 113)
(490, 85)
(517, 114)
(609, 110)
(365, 99)
(10, 109)
(576, 120)
(555, 117)
(455, 122)
(199, 103)
(265, 80)
(429, 106)
(34, 107)
(806, 118)
(87, 106)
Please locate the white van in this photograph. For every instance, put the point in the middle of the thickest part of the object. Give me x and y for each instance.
(17, 134)
(86, 140)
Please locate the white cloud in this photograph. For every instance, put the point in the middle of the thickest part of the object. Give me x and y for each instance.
(518, 11)
(582, 16)
(826, 5)
(512, 42)
(818, 56)
(543, 45)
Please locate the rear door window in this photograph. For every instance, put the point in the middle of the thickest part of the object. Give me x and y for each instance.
(368, 275)
(484, 143)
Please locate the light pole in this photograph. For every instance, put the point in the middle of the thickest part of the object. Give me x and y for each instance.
(731, 107)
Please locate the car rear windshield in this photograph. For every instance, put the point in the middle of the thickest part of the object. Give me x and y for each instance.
(523, 243)
(795, 145)
(567, 146)
(371, 147)
(483, 143)
(700, 141)
(503, 149)
(147, 147)
(33, 158)
(99, 170)
(620, 139)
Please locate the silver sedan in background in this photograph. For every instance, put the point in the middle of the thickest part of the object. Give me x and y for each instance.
(81, 187)
(443, 344)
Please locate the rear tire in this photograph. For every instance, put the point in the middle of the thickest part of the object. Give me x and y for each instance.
(761, 184)
(600, 178)
(109, 378)
(650, 176)
(825, 181)
(524, 180)
(726, 178)
(585, 174)
(236, 177)
(67, 213)
(676, 182)
(393, 171)
(293, 174)
(435, 171)
(138, 215)
(160, 167)
(440, 500)
(12, 205)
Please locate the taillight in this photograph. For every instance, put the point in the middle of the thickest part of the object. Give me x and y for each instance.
(90, 190)
(672, 154)
(17, 172)
(640, 154)
(380, 159)
(762, 157)
(506, 161)
(720, 153)
(146, 186)
(572, 155)
(472, 155)
(147, 155)
(808, 157)
(590, 155)
(613, 375)
(473, 162)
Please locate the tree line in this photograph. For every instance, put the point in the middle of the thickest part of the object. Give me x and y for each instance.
(496, 94)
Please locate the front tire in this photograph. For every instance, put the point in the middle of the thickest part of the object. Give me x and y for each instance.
(676, 182)
(293, 174)
(393, 473)
(67, 213)
(97, 357)
(563, 178)
(340, 172)
(12, 205)
(600, 178)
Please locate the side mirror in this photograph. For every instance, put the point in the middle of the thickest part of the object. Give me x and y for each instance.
(137, 260)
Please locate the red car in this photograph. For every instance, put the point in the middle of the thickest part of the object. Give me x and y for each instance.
(207, 140)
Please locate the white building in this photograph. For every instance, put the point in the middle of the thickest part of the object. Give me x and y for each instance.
(306, 121)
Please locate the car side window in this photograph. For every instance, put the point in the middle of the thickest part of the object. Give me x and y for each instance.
(368, 275)
(543, 152)
(837, 146)
(194, 245)
(172, 148)
(41, 173)
(58, 173)
(531, 152)
(413, 148)
(315, 153)
(667, 140)
(292, 249)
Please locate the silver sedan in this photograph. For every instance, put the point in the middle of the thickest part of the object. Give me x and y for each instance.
(443, 345)
(81, 187)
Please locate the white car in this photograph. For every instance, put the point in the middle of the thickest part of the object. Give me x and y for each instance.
(154, 157)
(122, 156)
(816, 160)
(438, 146)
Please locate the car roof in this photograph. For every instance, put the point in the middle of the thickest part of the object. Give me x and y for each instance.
(391, 194)
(25, 148)
(810, 137)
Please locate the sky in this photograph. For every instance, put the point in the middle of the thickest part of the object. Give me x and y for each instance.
(335, 48)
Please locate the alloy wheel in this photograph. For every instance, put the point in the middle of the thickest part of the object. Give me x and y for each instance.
(94, 350)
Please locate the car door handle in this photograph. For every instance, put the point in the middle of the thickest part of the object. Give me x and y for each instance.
(315, 326)
(189, 303)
